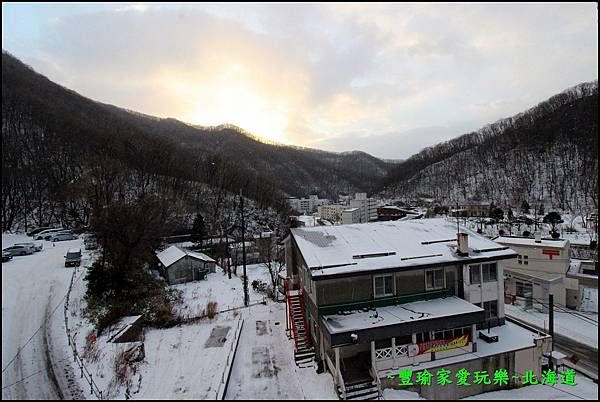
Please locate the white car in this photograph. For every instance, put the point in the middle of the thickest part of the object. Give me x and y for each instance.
(47, 234)
(34, 247)
(18, 250)
(61, 236)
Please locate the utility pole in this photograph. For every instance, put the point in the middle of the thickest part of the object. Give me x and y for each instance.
(551, 324)
(244, 250)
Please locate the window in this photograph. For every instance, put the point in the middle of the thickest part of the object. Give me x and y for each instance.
(491, 309)
(383, 343)
(489, 272)
(384, 285)
(403, 340)
(474, 274)
(434, 279)
(525, 260)
(423, 337)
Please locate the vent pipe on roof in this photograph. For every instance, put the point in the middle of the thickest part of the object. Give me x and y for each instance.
(463, 244)
(538, 237)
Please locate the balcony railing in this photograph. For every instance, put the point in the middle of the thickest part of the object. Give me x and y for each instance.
(329, 309)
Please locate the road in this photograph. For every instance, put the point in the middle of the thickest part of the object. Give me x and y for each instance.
(587, 357)
(33, 290)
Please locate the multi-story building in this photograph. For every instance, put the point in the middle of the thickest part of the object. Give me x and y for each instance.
(471, 208)
(540, 269)
(367, 205)
(372, 299)
(307, 205)
(352, 215)
(332, 212)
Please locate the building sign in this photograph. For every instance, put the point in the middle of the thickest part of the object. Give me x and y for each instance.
(550, 252)
(438, 345)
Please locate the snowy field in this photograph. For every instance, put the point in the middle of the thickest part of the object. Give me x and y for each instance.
(565, 323)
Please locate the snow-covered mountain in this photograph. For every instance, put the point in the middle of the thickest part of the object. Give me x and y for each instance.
(547, 154)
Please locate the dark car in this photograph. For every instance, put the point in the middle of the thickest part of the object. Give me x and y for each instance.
(6, 256)
(73, 258)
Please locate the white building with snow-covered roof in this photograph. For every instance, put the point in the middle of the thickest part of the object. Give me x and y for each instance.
(178, 265)
(369, 299)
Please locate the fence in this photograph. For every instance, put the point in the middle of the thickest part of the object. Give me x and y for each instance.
(85, 373)
(222, 388)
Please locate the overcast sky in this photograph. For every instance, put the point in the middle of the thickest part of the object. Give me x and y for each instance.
(388, 79)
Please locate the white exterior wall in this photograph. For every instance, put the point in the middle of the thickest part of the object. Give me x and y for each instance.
(540, 262)
(349, 217)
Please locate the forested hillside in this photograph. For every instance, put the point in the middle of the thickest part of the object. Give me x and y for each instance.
(64, 155)
(547, 154)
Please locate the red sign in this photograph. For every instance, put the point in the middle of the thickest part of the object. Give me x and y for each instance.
(550, 252)
(437, 345)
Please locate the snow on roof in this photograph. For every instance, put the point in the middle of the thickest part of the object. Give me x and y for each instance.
(350, 210)
(391, 315)
(510, 337)
(526, 241)
(330, 250)
(542, 276)
(173, 254)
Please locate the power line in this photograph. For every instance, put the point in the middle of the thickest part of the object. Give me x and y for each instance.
(33, 374)
(563, 309)
(39, 328)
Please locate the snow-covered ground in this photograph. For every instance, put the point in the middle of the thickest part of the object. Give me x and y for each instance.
(585, 389)
(33, 288)
(569, 324)
(264, 366)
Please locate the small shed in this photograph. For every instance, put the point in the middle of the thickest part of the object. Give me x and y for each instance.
(126, 329)
(179, 265)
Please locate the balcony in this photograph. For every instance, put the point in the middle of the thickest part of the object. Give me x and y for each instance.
(329, 309)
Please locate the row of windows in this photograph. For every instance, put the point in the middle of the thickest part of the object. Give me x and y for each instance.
(486, 271)
(383, 285)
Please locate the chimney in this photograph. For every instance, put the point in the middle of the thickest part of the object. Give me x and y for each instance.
(463, 244)
(538, 237)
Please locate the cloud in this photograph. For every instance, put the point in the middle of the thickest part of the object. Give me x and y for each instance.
(340, 76)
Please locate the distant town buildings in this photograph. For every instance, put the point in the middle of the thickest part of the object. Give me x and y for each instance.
(367, 205)
(351, 215)
(307, 205)
(360, 209)
(471, 209)
(332, 212)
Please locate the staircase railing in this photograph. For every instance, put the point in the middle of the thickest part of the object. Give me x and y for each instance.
(292, 321)
(306, 328)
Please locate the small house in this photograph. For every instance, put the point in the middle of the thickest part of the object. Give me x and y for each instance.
(179, 265)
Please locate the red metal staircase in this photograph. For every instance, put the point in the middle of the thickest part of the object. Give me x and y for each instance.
(303, 350)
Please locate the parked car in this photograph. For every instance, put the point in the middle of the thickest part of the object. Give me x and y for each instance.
(61, 236)
(35, 247)
(73, 258)
(18, 250)
(37, 230)
(6, 256)
(47, 234)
